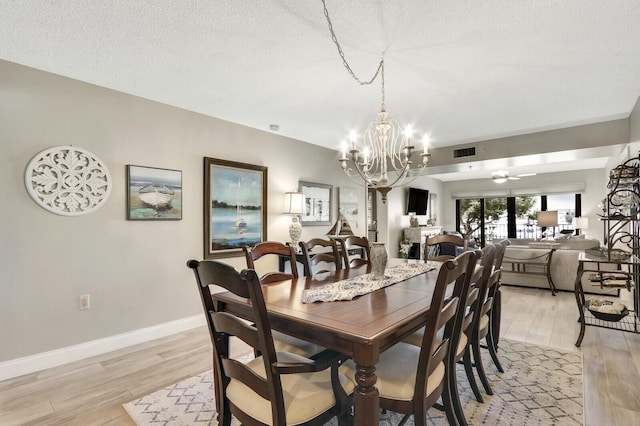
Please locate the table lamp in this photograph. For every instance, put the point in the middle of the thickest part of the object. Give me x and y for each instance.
(294, 206)
(582, 223)
(548, 219)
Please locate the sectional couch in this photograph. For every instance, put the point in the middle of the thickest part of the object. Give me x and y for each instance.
(564, 265)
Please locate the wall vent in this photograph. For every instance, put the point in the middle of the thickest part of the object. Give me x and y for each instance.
(464, 152)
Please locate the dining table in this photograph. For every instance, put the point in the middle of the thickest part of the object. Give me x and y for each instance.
(360, 328)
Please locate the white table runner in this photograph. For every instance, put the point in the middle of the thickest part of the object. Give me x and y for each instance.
(363, 284)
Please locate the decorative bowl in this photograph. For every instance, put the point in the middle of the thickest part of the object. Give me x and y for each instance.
(618, 255)
(606, 316)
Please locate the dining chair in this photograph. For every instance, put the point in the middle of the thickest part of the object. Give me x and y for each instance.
(326, 260)
(482, 318)
(467, 292)
(261, 250)
(273, 388)
(501, 248)
(355, 243)
(433, 246)
(271, 248)
(411, 379)
(485, 264)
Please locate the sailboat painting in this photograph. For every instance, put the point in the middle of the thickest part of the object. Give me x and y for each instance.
(348, 204)
(235, 204)
(153, 194)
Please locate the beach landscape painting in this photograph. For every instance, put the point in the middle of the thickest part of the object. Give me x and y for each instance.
(235, 206)
(153, 193)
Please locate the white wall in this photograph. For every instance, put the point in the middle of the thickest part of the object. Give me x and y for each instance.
(134, 271)
(395, 220)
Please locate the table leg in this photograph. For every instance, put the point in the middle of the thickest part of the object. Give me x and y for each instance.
(365, 397)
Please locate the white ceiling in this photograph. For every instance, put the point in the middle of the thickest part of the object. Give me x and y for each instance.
(460, 71)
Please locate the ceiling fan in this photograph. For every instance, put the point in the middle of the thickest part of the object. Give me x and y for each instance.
(501, 176)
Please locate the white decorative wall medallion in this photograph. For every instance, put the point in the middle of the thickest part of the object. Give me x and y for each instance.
(68, 181)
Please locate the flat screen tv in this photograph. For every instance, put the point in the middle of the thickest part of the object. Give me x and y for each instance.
(417, 200)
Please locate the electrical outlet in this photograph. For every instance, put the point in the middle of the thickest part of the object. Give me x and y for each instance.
(85, 302)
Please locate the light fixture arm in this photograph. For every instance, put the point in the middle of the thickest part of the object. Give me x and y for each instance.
(386, 149)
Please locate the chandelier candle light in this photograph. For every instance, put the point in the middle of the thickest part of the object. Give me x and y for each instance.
(386, 149)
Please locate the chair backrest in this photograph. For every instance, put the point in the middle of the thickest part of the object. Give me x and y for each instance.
(256, 334)
(486, 287)
(441, 316)
(353, 242)
(253, 384)
(467, 291)
(271, 248)
(325, 258)
(488, 259)
(501, 247)
(433, 245)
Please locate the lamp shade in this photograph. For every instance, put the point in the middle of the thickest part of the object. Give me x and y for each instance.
(548, 218)
(293, 203)
(581, 222)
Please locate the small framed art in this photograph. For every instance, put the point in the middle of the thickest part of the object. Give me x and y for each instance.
(153, 193)
(317, 203)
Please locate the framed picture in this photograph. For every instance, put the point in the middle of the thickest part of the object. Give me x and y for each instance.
(235, 207)
(317, 203)
(348, 205)
(153, 194)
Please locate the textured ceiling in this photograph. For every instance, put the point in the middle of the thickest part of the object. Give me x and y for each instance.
(460, 71)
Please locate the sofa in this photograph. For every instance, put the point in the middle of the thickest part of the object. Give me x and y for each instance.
(563, 266)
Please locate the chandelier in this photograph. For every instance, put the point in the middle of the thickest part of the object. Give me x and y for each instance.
(385, 159)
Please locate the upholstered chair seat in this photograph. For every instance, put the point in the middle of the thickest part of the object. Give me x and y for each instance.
(305, 395)
(396, 372)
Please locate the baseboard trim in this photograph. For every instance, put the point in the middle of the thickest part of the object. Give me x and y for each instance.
(30, 364)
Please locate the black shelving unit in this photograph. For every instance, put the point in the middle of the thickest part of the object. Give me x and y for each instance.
(620, 257)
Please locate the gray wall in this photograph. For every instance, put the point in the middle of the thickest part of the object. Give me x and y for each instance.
(134, 271)
(634, 128)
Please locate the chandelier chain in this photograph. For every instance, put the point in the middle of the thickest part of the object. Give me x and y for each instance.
(379, 70)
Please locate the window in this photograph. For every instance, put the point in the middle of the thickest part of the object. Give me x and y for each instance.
(489, 219)
(566, 207)
(525, 217)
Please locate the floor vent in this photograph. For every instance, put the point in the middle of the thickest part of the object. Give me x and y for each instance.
(464, 152)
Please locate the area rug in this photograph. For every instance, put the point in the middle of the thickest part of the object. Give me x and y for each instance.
(540, 386)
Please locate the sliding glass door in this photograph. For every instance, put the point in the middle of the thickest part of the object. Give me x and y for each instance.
(493, 219)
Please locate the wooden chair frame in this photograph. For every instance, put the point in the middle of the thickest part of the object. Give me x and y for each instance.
(496, 317)
(353, 242)
(482, 329)
(257, 334)
(265, 248)
(440, 239)
(311, 259)
(434, 350)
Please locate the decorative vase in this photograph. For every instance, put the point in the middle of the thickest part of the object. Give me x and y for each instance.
(295, 230)
(378, 260)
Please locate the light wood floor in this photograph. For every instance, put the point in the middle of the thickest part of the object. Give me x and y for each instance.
(92, 391)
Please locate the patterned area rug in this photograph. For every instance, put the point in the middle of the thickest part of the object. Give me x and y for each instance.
(540, 386)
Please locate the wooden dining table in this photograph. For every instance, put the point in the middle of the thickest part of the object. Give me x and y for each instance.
(360, 328)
